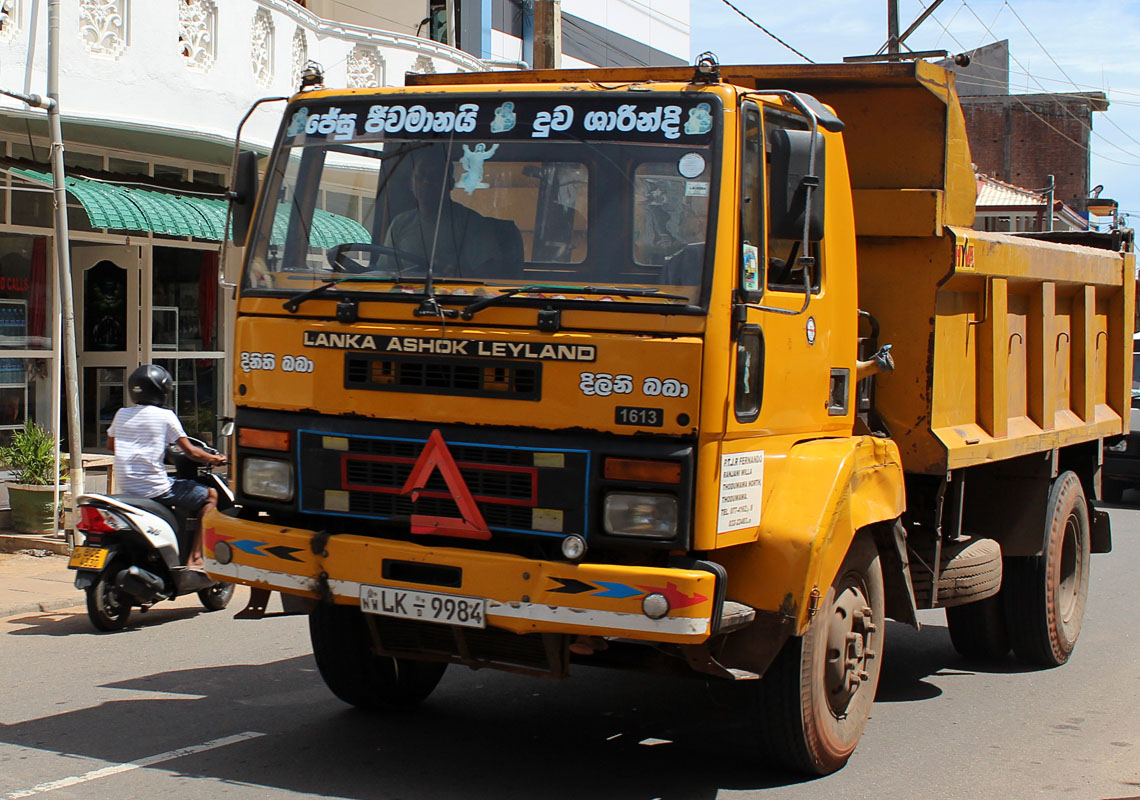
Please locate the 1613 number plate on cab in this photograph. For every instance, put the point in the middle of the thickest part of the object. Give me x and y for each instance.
(449, 609)
(641, 417)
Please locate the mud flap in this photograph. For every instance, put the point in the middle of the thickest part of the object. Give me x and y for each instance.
(890, 540)
(291, 605)
(1100, 531)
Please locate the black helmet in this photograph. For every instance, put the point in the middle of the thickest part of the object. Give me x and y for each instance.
(149, 385)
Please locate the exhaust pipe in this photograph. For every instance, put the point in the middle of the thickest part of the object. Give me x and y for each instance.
(146, 587)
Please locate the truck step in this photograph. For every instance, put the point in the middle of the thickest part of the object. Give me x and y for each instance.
(735, 615)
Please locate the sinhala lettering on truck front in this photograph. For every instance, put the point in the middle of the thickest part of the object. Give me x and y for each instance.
(670, 122)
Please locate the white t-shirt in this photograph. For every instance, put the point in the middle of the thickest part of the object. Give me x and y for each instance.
(141, 435)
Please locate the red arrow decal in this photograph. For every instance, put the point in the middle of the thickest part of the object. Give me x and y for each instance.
(676, 598)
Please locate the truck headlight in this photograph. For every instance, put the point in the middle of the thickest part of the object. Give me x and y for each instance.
(653, 516)
(267, 477)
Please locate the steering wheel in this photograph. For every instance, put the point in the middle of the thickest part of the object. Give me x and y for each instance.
(340, 262)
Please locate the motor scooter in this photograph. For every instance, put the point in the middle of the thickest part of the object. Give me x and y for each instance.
(135, 550)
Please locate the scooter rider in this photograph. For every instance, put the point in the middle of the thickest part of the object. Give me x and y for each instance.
(138, 437)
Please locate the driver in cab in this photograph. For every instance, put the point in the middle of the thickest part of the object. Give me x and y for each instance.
(455, 240)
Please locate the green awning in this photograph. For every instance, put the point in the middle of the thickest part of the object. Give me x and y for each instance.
(131, 208)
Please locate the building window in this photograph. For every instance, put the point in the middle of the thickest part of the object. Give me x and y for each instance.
(300, 56)
(9, 20)
(198, 33)
(261, 47)
(365, 68)
(103, 26)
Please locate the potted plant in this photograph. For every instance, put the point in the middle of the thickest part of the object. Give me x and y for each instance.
(30, 457)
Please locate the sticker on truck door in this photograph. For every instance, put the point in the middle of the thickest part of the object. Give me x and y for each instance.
(741, 487)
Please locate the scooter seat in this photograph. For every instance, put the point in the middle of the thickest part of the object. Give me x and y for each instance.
(152, 507)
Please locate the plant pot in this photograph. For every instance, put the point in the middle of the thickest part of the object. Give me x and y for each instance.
(32, 508)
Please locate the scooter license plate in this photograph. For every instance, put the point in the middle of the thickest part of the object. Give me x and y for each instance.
(88, 558)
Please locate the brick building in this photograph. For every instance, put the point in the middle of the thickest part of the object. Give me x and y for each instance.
(1023, 138)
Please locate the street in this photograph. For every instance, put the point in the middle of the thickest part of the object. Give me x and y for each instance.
(189, 704)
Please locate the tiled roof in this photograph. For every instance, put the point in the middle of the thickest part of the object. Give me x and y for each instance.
(995, 193)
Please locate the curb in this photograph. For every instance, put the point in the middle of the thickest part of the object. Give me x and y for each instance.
(15, 542)
(54, 604)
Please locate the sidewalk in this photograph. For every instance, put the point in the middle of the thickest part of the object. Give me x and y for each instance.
(33, 578)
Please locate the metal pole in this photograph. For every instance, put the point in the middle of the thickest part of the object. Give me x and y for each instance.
(1051, 190)
(62, 252)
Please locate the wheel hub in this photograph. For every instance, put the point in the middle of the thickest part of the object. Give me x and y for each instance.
(849, 647)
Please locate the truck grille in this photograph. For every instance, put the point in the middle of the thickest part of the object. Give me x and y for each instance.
(518, 489)
(464, 377)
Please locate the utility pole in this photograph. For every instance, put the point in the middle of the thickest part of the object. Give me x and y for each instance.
(547, 34)
(893, 27)
(62, 244)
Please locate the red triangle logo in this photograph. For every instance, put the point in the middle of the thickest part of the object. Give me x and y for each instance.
(435, 456)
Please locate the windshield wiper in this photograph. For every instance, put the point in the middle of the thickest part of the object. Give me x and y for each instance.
(293, 303)
(479, 305)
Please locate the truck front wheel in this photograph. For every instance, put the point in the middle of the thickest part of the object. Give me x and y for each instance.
(353, 672)
(816, 697)
(1045, 595)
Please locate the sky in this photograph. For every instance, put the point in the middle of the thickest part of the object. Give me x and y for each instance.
(1055, 46)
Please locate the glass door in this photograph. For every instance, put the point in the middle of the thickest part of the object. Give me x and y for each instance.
(106, 282)
(185, 335)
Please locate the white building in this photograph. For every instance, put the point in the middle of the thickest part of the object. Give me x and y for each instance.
(151, 93)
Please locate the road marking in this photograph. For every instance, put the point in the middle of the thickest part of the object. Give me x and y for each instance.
(149, 761)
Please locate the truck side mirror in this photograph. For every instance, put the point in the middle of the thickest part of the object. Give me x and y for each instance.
(243, 196)
(788, 168)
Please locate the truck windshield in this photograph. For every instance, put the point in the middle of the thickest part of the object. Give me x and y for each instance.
(489, 194)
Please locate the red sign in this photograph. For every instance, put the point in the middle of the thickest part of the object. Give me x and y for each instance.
(435, 456)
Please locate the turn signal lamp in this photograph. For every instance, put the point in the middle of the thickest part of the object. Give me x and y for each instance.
(641, 470)
(262, 439)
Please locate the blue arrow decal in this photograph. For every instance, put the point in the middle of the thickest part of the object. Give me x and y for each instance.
(617, 590)
(248, 546)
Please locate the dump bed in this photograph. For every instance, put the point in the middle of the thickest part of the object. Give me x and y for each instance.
(1004, 345)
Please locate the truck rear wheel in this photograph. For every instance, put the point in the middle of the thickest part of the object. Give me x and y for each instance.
(1045, 595)
(816, 697)
(353, 672)
(978, 630)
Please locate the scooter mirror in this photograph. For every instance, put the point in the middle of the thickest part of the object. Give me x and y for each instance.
(228, 429)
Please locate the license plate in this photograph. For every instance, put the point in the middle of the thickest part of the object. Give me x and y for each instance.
(449, 609)
(88, 558)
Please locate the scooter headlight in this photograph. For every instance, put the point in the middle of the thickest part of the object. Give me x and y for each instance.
(268, 478)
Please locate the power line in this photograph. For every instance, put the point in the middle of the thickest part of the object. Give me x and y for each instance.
(761, 27)
(1059, 68)
(1064, 108)
(1026, 72)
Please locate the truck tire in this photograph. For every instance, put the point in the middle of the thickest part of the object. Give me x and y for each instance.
(971, 570)
(1045, 595)
(342, 646)
(814, 701)
(978, 630)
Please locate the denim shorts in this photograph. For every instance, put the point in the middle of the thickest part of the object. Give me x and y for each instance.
(185, 494)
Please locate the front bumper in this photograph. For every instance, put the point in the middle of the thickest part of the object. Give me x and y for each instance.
(523, 595)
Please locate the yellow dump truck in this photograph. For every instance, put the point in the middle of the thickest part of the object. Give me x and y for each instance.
(695, 370)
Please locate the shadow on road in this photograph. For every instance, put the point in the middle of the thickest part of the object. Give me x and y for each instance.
(481, 735)
(603, 734)
(70, 623)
